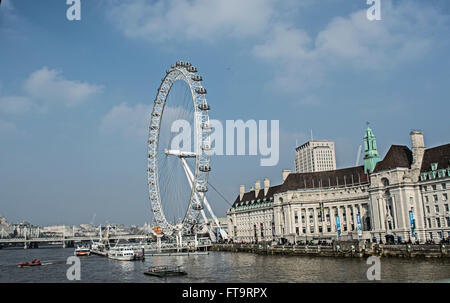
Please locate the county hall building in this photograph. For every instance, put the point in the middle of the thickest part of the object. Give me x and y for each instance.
(403, 197)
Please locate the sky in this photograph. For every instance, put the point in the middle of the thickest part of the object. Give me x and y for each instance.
(76, 96)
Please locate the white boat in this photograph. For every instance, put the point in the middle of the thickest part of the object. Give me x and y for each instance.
(99, 248)
(82, 251)
(122, 253)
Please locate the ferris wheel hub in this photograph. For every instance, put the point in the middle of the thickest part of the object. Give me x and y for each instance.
(179, 153)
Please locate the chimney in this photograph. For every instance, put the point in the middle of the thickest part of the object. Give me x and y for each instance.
(266, 185)
(241, 191)
(285, 173)
(418, 149)
(257, 188)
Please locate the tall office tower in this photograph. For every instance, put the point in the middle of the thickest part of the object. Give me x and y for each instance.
(315, 155)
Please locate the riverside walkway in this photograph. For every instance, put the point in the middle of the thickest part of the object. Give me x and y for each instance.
(342, 249)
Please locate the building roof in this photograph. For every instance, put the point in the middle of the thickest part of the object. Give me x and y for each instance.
(250, 195)
(330, 178)
(397, 156)
(439, 155)
(296, 181)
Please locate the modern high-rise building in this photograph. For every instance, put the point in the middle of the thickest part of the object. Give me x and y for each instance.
(314, 156)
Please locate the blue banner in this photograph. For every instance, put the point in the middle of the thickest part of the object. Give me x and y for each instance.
(358, 224)
(411, 221)
(338, 226)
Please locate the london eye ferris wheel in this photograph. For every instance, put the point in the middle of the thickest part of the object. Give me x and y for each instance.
(177, 174)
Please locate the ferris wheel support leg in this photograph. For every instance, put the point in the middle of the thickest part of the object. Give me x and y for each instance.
(190, 178)
(158, 242)
(205, 201)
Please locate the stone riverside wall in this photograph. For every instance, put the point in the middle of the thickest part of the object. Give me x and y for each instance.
(341, 249)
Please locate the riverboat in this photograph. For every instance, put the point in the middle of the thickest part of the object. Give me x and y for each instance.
(164, 271)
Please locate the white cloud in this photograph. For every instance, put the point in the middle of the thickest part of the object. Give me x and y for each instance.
(196, 19)
(8, 128)
(49, 87)
(14, 104)
(46, 87)
(300, 61)
(133, 121)
(127, 120)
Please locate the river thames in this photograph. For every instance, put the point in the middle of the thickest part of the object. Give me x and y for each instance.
(217, 267)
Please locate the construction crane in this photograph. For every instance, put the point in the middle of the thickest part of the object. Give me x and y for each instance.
(358, 156)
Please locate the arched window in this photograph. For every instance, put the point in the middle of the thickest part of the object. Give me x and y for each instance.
(385, 181)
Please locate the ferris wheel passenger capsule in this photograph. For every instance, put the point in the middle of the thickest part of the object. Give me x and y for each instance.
(202, 189)
(205, 126)
(192, 69)
(196, 78)
(197, 206)
(205, 168)
(204, 107)
(200, 90)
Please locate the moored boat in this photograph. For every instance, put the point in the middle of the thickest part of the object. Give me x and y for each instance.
(82, 251)
(164, 271)
(122, 253)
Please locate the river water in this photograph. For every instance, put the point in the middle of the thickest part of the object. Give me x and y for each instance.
(217, 267)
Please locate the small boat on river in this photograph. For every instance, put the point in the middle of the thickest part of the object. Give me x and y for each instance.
(82, 251)
(164, 271)
(36, 262)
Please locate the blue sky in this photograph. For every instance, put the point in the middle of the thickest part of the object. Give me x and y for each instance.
(75, 96)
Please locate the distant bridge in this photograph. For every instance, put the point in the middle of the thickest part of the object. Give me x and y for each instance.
(30, 241)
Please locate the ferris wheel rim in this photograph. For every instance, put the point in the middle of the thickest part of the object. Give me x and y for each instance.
(184, 72)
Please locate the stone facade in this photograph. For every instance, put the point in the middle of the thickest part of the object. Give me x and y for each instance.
(403, 197)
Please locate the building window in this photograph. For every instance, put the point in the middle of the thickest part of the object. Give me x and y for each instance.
(435, 198)
(428, 209)
(296, 217)
(425, 188)
(446, 207)
(438, 222)
(444, 197)
(427, 199)
(429, 223)
(436, 208)
(434, 186)
(297, 231)
(448, 221)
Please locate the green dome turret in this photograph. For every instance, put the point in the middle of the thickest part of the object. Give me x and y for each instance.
(371, 155)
